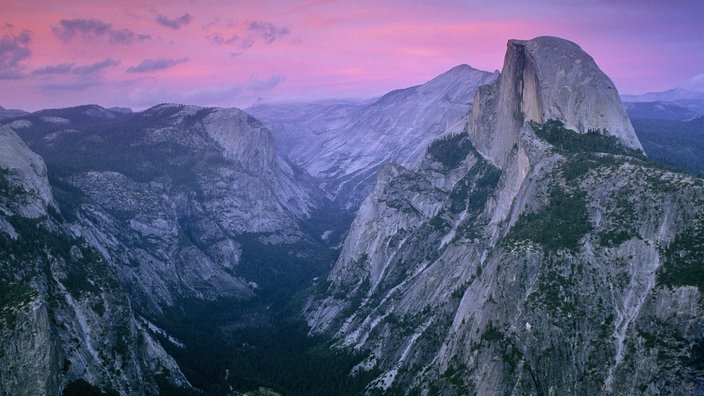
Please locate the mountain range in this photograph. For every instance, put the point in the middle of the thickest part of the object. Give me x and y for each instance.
(482, 233)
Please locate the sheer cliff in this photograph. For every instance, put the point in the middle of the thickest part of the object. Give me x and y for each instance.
(63, 314)
(536, 252)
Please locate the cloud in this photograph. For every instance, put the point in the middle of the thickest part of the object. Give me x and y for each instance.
(219, 39)
(254, 31)
(63, 68)
(96, 67)
(126, 37)
(267, 31)
(13, 51)
(90, 29)
(256, 84)
(175, 23)
(150, 65)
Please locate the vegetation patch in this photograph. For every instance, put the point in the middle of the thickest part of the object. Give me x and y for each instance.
(684, 260)
(82, 387)
(225, 350)
(569, 141)
(450, 150)
(473, 190)
(560, 224)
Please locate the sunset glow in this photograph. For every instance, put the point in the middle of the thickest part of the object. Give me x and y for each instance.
(233, 53)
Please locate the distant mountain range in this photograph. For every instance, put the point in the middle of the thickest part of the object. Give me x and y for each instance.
(8, 113)
(691, 100)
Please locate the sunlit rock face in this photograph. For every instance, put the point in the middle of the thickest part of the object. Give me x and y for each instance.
(527, 256)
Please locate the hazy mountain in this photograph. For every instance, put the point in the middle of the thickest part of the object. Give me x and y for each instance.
(671, 134)
(9, 113)
(658, 111)
(165, 194)
(540, 252)
(691, 100)
(345, 144)
(678, 144)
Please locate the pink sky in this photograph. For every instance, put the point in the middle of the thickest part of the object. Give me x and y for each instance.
(231, 53)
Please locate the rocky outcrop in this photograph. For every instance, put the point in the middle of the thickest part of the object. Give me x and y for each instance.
(526, 257)
(543, 79)
(63, 314)
(24, 174)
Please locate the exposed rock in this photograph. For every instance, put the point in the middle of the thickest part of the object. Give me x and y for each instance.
(544, 261)
(543, 79)
(63, 315)
(28, 193)
(346, 144)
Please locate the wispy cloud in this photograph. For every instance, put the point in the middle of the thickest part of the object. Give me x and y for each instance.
(13, 51)
(63, 68)
(96, 67)
(66, 68)
(90, 29)
(175, 23)
(256, 84)
(219, 39)
(247, 36)
(267, 31)
(150, 65)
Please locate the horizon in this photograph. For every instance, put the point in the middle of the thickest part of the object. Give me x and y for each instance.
(237, 54)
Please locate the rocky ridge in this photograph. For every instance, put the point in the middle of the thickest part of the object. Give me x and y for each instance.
(537, 252)
(346, 144)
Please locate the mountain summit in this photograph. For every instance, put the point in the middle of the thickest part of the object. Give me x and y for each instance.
(543, 79)
(539, 253)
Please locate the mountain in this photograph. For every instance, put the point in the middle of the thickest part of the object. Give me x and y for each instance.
(691, 100)
(345, 144)
(170, 195)
(670, 134)
(677, 143)
(161, 216)
(658, 111)
(63, 314)
(539, 252)
(9, 113)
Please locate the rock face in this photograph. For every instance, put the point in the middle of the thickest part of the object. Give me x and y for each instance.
(547, 78)
(528, 255)
(148, 210)
(167, 195)
(346, 144)
(24, 171)
(63, 315)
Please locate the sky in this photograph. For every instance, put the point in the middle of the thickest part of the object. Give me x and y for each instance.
(234, 53)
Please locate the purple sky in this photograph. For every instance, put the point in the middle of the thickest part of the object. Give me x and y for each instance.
(231, 53)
